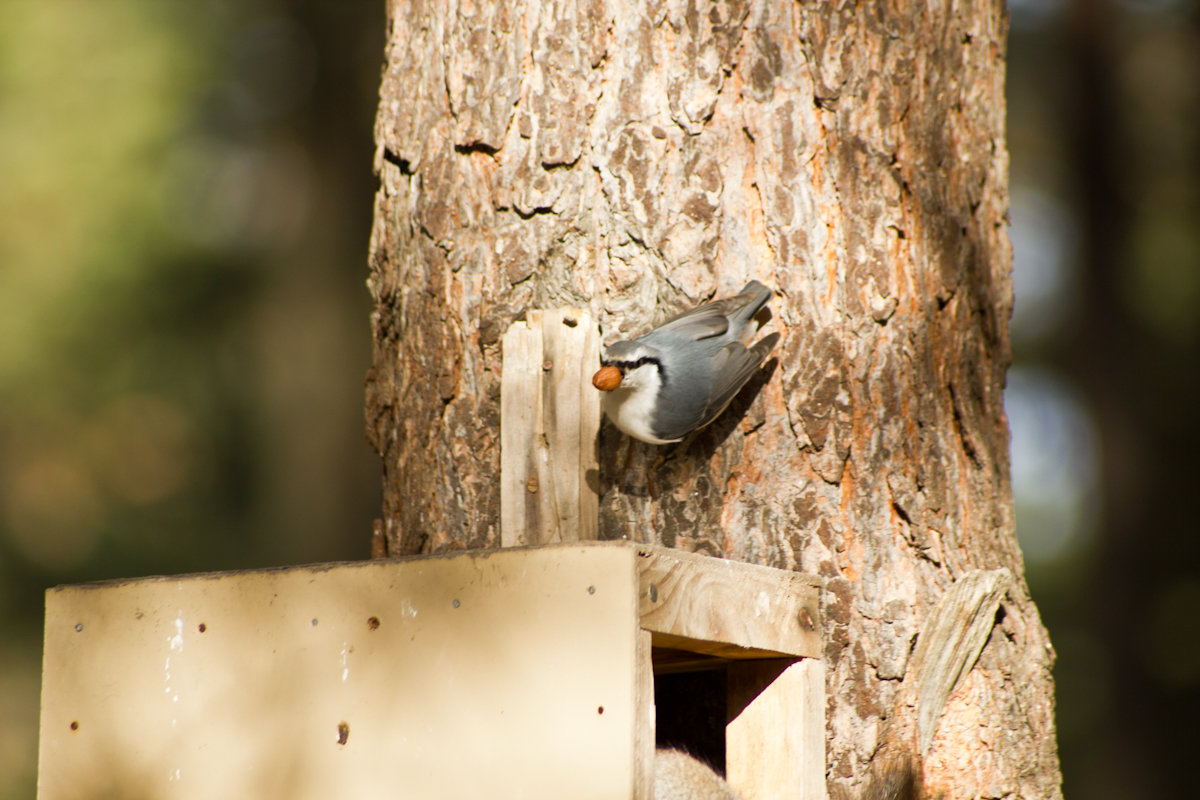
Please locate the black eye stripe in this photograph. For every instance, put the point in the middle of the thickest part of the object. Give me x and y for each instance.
(624, 365)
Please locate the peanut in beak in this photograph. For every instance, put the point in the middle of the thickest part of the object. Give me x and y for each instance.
(606, 379)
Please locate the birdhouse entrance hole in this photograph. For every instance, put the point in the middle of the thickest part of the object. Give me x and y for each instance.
(690, 706)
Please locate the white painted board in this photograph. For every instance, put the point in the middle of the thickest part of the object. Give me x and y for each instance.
(502, 674)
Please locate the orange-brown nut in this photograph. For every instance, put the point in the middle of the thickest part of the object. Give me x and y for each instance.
(606, 379)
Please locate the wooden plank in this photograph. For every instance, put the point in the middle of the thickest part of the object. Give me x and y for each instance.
(571, 407)
(644, 716)
(549, 419)
(708, 651)
(775, 737)
(589, 430)
(475, 675)
(522, 447)
(727, 608)
(672, 660)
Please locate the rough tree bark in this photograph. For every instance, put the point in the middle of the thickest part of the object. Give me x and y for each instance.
(636, 158)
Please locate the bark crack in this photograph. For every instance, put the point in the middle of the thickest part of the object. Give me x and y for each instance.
(394, 158)
(960, 428)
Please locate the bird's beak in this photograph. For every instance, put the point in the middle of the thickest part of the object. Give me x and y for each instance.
(606, 379)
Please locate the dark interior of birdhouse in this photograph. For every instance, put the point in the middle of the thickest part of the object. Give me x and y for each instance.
(690, 704)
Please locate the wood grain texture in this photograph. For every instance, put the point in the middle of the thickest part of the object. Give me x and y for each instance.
(571, 409)
(523, 468)
(644, 720)
(549, 416)
(682, 595)
(635, 159)
(775, 737)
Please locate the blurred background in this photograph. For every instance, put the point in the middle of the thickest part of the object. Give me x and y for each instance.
(185, 203)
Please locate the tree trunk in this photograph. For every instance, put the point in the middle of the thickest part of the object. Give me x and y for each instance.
(638, 158)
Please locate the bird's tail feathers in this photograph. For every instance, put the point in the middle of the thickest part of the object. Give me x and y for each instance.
(763, 347)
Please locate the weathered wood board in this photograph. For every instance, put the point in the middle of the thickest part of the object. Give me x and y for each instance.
(550, 415)
(727, 608)
(507, 673)
(775, 738)
(520, 672)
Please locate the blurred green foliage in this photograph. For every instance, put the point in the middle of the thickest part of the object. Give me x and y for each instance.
(184, 212)
(1104, 133)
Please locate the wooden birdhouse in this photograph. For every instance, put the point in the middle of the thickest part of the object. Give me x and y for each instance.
(539, 671)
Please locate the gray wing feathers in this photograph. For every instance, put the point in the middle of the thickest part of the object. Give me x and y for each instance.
(697, 326)
(712, 319)
(734, 365)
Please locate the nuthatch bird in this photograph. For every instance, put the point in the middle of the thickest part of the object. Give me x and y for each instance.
(680, 376)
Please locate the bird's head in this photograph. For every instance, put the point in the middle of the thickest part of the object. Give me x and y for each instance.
(628, 365)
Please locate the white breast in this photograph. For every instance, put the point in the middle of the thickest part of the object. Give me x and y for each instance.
(631, 405)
